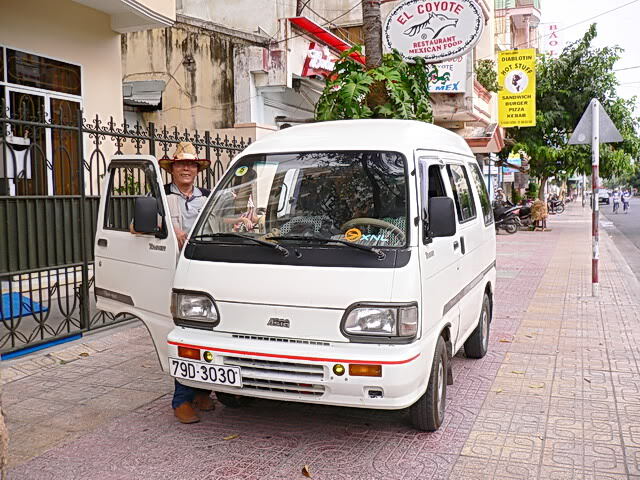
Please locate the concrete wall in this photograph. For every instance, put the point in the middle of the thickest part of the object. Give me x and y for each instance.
(197, 67)
(163, 7)
(67, 31)
(261, 16)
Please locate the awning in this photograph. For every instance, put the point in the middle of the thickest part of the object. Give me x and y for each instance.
(325, 36)
(488, 139)
(144, 93)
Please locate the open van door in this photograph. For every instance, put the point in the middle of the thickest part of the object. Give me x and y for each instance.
(134, 271)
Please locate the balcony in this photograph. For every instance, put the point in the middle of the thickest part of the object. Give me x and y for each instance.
(135, 15)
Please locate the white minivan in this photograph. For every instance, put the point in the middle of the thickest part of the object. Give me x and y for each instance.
(367, 263)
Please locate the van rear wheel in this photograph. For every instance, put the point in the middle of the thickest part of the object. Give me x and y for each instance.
(428, 412)
(477, 344)
(233, 401)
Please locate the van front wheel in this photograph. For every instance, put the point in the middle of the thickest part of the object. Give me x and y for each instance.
(477, 344)
(428, 412)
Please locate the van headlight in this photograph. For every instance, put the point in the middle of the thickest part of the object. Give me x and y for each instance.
(395, 321)
(194, 309)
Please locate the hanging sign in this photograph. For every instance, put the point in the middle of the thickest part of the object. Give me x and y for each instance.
(551, 43)
(434, 30)
(517, 88)
(449, 77)
(319, 62)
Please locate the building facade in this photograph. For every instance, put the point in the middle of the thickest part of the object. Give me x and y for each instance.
(57, 58)
(224, 66)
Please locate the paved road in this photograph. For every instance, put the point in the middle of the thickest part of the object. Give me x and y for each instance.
(625, 231)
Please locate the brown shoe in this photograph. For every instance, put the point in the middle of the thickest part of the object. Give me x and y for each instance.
(186, 414)
(204, 402)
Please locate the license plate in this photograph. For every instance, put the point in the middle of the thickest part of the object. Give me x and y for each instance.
(205, 372)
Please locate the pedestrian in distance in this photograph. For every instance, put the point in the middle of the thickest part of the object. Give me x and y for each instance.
(615, 197)
(625, 201)
(185, 202)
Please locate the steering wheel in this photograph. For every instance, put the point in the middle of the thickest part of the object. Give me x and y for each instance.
(374, 222)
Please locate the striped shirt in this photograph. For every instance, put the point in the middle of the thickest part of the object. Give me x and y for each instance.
(189, 206)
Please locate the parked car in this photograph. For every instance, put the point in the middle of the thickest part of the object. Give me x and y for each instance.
(372, 264)
(604, 196)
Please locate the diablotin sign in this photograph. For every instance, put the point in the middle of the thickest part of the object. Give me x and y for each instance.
(435, 30)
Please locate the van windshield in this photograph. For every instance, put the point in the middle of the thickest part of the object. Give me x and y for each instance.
(360, 197)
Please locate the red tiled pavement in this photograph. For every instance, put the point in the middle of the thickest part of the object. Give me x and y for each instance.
(523, 411)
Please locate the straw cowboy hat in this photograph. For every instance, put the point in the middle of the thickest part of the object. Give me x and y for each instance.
(185, 152)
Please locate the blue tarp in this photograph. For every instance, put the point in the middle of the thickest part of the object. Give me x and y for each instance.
(22, 306)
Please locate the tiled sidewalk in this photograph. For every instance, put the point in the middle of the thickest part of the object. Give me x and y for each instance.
(557, 397)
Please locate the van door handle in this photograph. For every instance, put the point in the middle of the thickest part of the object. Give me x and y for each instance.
(102, 242)
(462, 249)
(456, 244)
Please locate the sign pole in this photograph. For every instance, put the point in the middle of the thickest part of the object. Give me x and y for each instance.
(595, 182)
(595, 123)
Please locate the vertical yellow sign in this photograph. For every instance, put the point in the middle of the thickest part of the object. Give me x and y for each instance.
(517, 88)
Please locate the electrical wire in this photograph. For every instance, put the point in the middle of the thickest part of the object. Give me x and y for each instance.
(627, 68)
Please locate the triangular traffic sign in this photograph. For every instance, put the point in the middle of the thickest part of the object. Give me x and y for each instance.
(608, 133)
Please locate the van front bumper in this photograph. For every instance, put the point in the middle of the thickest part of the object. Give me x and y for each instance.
(302, 371)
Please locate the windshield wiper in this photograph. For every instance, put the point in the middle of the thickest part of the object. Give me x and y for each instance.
(317, 238)
(210, 236)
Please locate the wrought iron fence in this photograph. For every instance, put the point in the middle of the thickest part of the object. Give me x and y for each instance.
(51, 167)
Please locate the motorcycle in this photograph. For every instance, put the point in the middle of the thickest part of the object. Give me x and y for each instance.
(555, 205)
(506, 218)
(524, 213)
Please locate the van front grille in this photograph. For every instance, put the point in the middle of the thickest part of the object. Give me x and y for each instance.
(281, 340)
(280, 377)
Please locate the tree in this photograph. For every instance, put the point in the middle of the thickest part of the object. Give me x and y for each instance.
(564, 88)
(386, 87)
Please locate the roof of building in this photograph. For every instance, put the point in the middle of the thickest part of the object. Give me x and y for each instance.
(146, 93)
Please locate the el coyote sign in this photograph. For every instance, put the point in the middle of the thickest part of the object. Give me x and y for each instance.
(434, 30)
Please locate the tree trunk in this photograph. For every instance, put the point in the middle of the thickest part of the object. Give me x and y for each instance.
(543, 184)
(372, 27)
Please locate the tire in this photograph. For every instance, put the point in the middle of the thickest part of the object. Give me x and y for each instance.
(427, 413)
(510, 228)
(477, 344)
(233, 401)
(560, 208)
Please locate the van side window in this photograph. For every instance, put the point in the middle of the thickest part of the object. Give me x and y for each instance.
(465, 204)
(125, 185)
(436, 185)
(485, 203)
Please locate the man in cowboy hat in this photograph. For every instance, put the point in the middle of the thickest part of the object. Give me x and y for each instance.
(185, 199)
(185, 202)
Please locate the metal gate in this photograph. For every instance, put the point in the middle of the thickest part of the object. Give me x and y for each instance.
(50, 176)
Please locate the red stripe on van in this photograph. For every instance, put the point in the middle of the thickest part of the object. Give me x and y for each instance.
(294, 357)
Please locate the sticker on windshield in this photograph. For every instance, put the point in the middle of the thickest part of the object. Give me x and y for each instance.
(241, 171)
(353, 235)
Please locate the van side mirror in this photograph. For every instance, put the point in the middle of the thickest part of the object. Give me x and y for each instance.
(146, 216)
(442, 217)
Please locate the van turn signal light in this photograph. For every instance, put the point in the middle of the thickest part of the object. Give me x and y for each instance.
(359, 370)
(189, 352)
